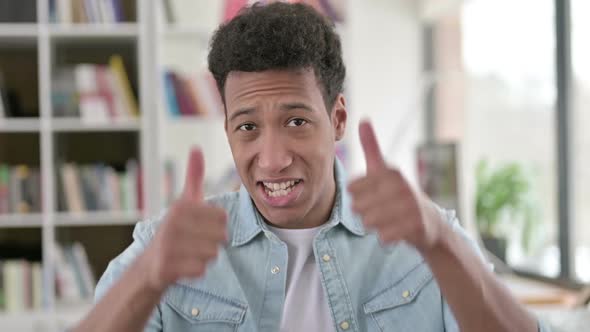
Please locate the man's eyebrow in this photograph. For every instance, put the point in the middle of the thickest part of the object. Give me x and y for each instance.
(240, 112)
(295, 105)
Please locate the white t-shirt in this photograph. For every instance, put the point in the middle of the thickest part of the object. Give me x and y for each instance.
(306, 307)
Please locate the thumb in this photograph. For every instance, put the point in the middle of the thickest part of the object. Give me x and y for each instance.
(370, 146)
(195, 174)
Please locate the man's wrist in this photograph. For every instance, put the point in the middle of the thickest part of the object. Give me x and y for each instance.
(142, 273)
(442, 243)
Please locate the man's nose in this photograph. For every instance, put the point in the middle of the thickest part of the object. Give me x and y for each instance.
(274, 155)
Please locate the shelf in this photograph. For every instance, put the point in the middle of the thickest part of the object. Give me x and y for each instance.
(18, 30)
(100, 30)
(77, 125)
(21, 220)
(60, 319)
(19, 125)
(97, 218)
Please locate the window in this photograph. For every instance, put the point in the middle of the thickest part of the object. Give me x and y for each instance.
(580, 139)
(495, 95)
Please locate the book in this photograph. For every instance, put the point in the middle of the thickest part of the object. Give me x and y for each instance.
(13, 272)
(191, 95)
(64, 11)
(67, 287)
(37, 285)
(123, 84)
(108, 10)
(20, 285)
(75, 280)
(72, 189)
(100, 188)
(64, 97)
(93, 104)
(91, 11)
(88, 281)
(4, 185)
(170, 94)
(3, 112)
(88, 188)
(78, 11)
(184, 103)
(118, 11)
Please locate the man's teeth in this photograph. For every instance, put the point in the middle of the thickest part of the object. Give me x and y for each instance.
(275, 189)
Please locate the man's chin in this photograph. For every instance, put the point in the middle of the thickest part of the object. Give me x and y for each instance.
(281, 219)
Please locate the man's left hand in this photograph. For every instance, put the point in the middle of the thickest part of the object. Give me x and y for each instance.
(387, 203)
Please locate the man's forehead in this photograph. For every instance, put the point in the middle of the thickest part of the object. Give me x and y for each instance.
(277, 75)
(240, 85)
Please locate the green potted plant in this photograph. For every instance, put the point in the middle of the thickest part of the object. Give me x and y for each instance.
(502, 194)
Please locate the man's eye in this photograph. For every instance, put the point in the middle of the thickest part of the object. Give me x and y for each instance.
(296, 122)
(247, 127)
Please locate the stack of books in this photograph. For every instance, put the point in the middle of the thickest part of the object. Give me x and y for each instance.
(87, 11)
(95, 93)
(100, 188)
(20, 285)
(194, 95)
(74, 277)
(20, 189)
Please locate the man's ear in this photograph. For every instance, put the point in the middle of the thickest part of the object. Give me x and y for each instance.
(338, 117)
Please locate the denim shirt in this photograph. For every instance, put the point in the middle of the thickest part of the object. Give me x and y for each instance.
(368, 287)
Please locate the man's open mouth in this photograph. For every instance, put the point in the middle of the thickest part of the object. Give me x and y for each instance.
(279, 189)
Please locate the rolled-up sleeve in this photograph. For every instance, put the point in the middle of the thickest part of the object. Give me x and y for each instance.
(142, 234)
(449, 319)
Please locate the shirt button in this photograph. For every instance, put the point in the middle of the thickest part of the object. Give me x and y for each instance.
(344, 325)
(275, 270)
(326, 258)
(406, 294)
(195, 312)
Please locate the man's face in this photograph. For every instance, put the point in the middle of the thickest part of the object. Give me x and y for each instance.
(282, 140)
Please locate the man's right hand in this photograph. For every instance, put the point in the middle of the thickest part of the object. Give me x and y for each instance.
(190, 235)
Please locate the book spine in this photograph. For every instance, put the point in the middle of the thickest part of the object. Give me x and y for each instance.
(118, 9)
(117, 66)
(181, 98)
(170, 92)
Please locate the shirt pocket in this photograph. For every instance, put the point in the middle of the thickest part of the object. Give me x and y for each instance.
(412, 303)
(196, 310)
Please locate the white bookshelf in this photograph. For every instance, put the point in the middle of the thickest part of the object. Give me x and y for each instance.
(77, 125)
(97, 218)
(94, 30)
(26, 125)
(46, 37)
(19, 30)
(21, 220)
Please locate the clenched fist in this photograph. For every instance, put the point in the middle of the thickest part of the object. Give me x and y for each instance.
(387, 203)
(190, 235)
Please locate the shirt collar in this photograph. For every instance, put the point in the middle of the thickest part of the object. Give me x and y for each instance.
(248, 222)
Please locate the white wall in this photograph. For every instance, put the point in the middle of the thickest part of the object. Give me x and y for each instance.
(384, 62)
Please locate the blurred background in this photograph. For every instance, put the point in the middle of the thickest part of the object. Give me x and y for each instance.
(480, 103)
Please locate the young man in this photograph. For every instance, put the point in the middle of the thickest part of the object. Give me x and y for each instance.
(299, 248)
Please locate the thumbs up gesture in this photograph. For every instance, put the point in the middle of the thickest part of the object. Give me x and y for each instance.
(387, 203)
(190, 235)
